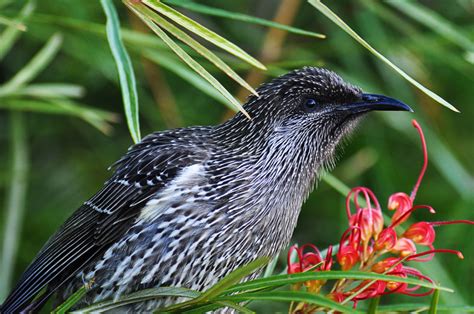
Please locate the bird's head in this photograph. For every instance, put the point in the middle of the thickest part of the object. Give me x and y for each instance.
(309, 108)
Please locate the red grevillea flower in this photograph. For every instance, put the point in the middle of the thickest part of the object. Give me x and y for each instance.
(365, 244)
(309, 261)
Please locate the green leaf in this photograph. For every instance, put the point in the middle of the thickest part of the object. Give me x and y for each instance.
(339, 22)
(335, 183)
(73, 299)
(217, 289)
(420, 307)
(434, 302)
(270, 267)
(9, 22)
(11, 33)
(196, 7)
(206, 53)
(186, 74)
(281, 280)
(125, 70)
(202, 31)
(140, 296)
(216, 305)
(290, 296)
(435, 22)
(39, 62)
(373, 305)
(15, 200)
(98, 118)
(190, 61)
(233, 278)
(49, 90)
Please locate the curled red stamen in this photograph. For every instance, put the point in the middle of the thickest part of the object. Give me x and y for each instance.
(408, 212)
(456, 252)
(425, 159)
(451, 222)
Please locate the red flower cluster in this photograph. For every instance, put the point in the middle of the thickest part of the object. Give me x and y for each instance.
(366, 242)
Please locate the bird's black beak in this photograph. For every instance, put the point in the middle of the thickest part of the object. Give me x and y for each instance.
(370, 102)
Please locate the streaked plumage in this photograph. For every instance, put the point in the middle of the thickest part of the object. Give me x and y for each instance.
(185, 207)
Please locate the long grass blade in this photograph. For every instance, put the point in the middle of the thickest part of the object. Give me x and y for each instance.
(204, 9)
(140, 296)
(339, 22)
(11, 33)
(181, 70)
(291, 296)
(15, 202)
(206, 53)
(434, 303)
(49, 90)
(9, 22)
(435, 22)
(280, 280)
(217, 289)
(420, 307)
(202, 31)
(38, 63)
(125, 70)
(71, 301)
(190, 61)
(97, 118)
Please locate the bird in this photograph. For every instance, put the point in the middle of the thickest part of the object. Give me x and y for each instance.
(185, 207)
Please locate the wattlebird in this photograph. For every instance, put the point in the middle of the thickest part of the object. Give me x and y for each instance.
(185, 207)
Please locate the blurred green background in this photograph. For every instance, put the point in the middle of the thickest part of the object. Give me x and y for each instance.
(65, 159)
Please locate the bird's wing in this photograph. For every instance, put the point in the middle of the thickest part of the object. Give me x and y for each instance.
(142, 172)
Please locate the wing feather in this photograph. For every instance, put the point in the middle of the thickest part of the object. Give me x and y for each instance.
(140, 174)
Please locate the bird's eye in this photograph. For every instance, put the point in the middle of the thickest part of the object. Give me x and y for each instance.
(310, 104)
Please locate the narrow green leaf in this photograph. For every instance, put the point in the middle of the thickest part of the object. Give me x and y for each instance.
(190, 61)
(339, 22)
(9, 22)
(202, 31)
(434, 303)
(217, 305)
(73, 299)
(270, 267)
(11, 33)
(291, 296)
(206, 53)
(15, 201)
(125, 70)
(140, 296)
(186, 74)
(335, 183)
(233, 278)
(39, 62)
(196, 7)
(229, 280)
(49, 90)
(98, 118)
(420, 307)
(373, 305)
(435, 22)
(281, 280)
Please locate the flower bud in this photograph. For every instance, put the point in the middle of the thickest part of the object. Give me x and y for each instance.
(404, 247)
(384, 265)
(347, 257)
(421, 233)
(386, 240)
(401, 203)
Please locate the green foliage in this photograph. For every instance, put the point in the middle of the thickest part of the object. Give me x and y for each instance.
(124, 66)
